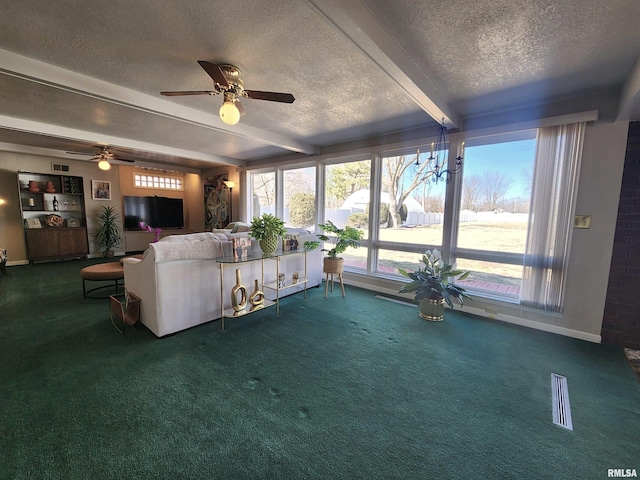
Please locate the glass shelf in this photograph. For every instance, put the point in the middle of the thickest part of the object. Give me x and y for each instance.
(274, 285)
(230, 260)
(255, 258)
(231, 313)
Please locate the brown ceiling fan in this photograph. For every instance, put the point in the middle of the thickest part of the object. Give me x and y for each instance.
(104, 157)
(226, 80)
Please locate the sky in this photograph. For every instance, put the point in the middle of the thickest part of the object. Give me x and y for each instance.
(511, 159)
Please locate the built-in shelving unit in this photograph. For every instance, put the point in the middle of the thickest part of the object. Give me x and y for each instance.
(53, 214)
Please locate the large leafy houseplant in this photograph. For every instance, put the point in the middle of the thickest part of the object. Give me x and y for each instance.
(344, 238)
(434, 281)
(108, 234)
(266, 229)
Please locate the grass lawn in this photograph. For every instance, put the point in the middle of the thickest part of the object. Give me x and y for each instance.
(495, 236)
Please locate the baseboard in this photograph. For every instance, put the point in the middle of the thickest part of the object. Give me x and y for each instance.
(16, 263)
(545, 327)
(537, 325)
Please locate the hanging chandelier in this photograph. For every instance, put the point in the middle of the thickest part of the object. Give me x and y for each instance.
(436, 167)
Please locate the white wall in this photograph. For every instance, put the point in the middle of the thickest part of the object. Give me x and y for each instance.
(598, 195)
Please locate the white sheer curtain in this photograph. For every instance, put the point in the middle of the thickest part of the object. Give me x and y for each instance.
(558, 156)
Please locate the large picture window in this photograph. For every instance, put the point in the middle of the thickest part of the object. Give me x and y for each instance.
(496, 193)
(495, 196)
(346, 202)
(411, 202)
(483, 220)
(263, 193)
(299, 192)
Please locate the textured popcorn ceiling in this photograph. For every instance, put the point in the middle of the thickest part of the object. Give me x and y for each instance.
(488, 46)
(87, 72)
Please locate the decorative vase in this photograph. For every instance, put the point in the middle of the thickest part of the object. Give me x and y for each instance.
(269, 245)
(333, 265)
(49, 188)
(432, 309)
(33, 186)
(238, 288)
(257, 297)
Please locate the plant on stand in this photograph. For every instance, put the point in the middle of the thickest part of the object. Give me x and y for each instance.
(433, 284)
(266, 229)
(108, 234)
(341, 239)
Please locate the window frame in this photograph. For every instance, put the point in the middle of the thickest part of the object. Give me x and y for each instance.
(453, 193)
(454, 252)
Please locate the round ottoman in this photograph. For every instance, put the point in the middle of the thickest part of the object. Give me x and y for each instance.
(102, 272)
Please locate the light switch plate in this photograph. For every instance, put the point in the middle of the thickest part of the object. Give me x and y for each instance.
(582, 221)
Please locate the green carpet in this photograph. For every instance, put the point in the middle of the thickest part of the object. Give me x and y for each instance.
(355, 388)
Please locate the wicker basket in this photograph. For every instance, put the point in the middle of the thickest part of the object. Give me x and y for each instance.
(333, 265)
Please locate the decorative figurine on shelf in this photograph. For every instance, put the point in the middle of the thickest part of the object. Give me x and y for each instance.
(256, 299)
(149, 228)
(238, 305)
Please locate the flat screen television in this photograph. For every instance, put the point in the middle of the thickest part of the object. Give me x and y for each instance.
(159, 212)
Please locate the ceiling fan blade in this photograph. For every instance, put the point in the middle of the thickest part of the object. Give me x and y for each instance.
(189, 92)
(214, 72)
(271, 96)
(81, 153)
(104, 154)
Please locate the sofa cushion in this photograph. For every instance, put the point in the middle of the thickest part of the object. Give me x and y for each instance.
(194, 246)
(240, 227)
(193, 237)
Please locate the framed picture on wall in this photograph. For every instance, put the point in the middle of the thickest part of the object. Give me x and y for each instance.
(216, 202)
(100, 190)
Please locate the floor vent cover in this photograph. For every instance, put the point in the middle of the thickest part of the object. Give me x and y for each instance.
(561, 407)
(394, 300)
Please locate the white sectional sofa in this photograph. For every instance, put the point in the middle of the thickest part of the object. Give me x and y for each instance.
(178, 278)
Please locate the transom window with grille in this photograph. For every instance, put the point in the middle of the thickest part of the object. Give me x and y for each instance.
(156, 181)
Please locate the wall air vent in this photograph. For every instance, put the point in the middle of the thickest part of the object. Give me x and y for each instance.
(58, 167)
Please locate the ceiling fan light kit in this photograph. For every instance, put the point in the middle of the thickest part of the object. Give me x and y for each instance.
(229, 113)
(104, 164)
(226, 80)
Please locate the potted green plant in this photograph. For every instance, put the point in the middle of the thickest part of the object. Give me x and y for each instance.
(341, 239)
(266, 229)
(108, 234)
(434, 284)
